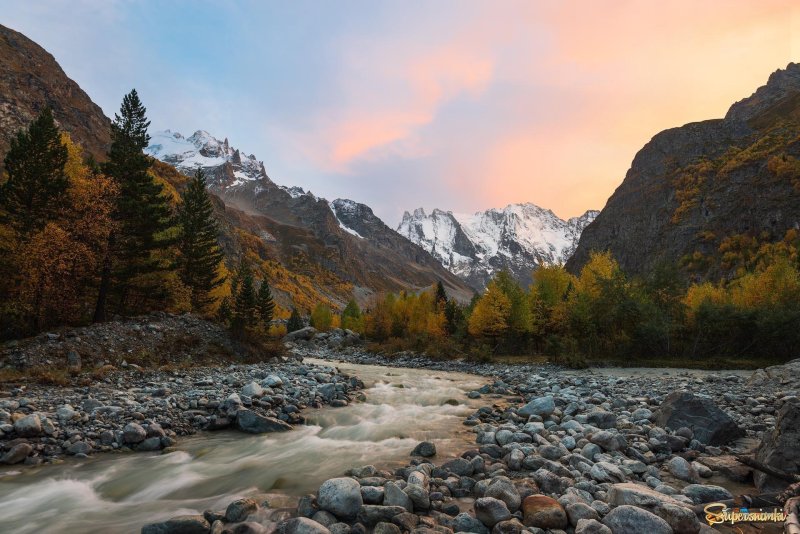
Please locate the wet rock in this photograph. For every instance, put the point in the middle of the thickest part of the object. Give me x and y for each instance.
(709, 424)
(183, 524)
(779, 448)
(543, 512)
(426, 449)
(79, 447)
(386, 528)
(326, 519)
(372, 494)
(419, 496)
(239, 509)
(17, 454)
(341, 497)
(491, 511)
(253, 423)
(459, 466)
(627, 519)
(150, 444)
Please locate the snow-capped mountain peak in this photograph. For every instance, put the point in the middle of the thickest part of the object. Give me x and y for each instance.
(474, 246)
(226, 166)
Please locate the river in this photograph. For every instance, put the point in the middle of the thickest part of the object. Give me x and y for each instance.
(118, 493)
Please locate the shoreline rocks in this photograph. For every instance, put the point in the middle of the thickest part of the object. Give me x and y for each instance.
(135, 410)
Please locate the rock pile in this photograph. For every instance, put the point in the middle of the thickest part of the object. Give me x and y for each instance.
(148, 410)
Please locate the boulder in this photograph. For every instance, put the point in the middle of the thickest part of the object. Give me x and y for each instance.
(16, 454)
(183, 524)
(681, 469)
(304, 334)
(426, 449)
(502, 488)
(705, 493)
(133, 433)
(253, 390)
(394, 496)
(464, 522)
(779, 449)
(29, 426)
(543, 512)
(627, 519)
(491, 511)
(341, 497)
(239, 509)
(591, 526)
(709, 424)
(677, 515)
(253, 423)
(370, 515)
(542, 406)
(602, 419)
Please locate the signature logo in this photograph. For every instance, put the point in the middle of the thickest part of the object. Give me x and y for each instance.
(718, 512)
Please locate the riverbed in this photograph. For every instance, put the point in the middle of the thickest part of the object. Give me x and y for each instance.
(121, 492)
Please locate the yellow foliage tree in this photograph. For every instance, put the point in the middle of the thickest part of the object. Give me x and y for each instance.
(489, 317)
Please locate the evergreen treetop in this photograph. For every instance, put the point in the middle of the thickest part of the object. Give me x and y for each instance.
(36, 188)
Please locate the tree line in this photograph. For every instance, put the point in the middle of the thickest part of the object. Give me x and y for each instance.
(82, 241)
(604, 315)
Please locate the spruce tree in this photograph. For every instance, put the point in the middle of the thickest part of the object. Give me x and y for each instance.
(246, 301)
(441, 294)
(295, 321)
(199, 252)
(265, 304)
(36, 188)
(142, 214)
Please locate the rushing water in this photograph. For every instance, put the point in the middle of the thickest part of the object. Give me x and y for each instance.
(119, 493)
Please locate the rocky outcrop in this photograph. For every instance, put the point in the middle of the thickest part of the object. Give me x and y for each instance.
(692, 187)
(30, 79)
(708, 423)
(781, 448)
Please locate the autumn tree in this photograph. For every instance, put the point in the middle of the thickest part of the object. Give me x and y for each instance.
(35, 189)
(321, 317)
(199, 254)
(351, 317)
(489, 316)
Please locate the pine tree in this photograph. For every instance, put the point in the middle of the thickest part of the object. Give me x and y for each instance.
(199, 252)
(142, 214)
(246, 301)
(265, 304)
(36, 188)
(295, 322)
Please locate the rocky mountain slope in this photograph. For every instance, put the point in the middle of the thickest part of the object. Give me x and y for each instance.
(707, 195)
(516, 238)
(343, 237)
(30, 79)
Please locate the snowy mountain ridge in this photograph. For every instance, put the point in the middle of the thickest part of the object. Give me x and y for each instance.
(516, 238)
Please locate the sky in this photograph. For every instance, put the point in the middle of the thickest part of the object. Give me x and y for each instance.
(457, 104)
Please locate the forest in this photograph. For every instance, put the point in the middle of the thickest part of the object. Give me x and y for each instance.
(83, 242)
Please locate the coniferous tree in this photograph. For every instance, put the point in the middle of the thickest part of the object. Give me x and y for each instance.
(265, 304)
(441, 295)
(142, 213)
(36, 188)
(199, 252)
(295, 322)
(246, 302)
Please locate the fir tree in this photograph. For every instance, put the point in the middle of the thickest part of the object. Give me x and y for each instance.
(246, 301)
(295, 322)
(142, 213)
(199, 253)
(36, 188)
(265, 304)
